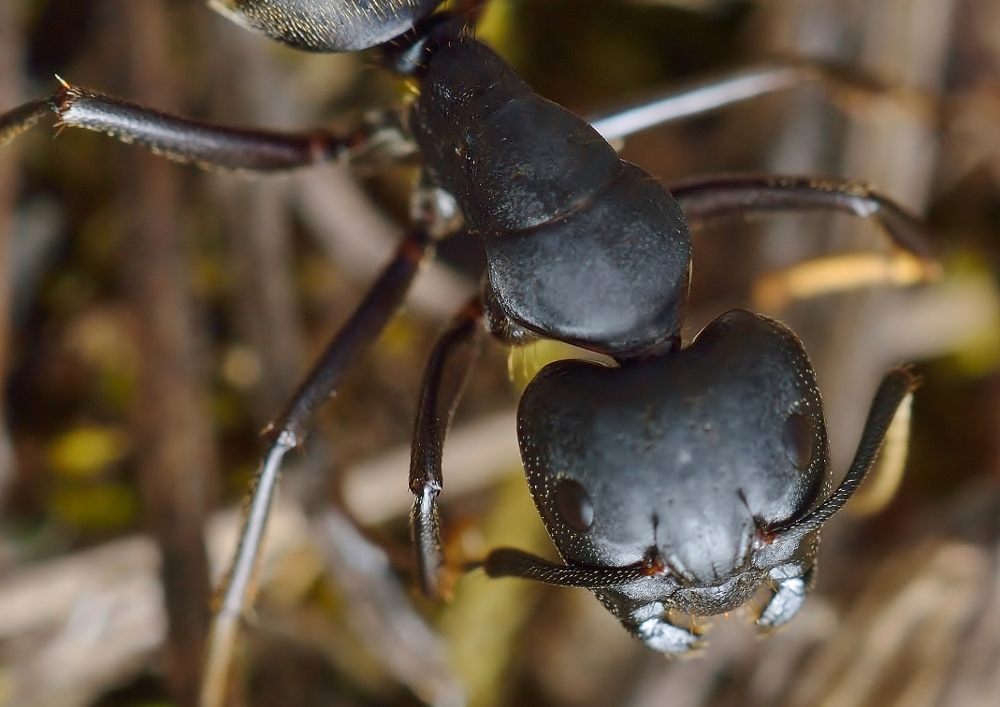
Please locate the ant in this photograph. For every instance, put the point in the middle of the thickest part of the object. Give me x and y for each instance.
(678, 479)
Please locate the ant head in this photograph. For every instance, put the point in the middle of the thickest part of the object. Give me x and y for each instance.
(692, 454)
(682, 464)
(327, 25)
(688, 481)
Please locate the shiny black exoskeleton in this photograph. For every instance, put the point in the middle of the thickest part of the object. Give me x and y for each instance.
(683, 464)
(559, 212)
(695, 476)
(680, 479)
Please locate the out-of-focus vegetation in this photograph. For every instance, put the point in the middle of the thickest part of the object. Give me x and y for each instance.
(153, 318)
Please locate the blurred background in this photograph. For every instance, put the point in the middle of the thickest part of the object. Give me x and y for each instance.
(153, 318)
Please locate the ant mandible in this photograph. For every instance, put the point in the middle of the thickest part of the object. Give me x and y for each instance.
(678, 479)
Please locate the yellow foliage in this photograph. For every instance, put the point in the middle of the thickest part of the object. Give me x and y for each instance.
(96, 508)
(86, 451)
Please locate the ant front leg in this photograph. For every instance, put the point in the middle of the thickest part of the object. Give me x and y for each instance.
(203, 144)
(444, 379)
(706, 198)
(289, 429)
(913, 260)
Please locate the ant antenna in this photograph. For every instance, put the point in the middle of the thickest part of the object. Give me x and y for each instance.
(509, 562)
(893, 391)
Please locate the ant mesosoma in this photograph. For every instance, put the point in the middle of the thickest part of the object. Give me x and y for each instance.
(678, 479)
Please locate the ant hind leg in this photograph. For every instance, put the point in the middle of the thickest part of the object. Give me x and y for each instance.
(204, 144)
(850, 91)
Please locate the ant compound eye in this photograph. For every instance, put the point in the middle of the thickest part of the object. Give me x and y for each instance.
(797, 437)
(574, 505)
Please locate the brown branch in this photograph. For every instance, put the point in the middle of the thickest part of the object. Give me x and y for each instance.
(248, 89)
(176, 452)
(75, 626)
(10, 95)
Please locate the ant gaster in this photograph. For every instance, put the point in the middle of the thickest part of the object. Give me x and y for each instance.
(679, 479)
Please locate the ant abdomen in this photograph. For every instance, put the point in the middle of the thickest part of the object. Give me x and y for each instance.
(318, 26)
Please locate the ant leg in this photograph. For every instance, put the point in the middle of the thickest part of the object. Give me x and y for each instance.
(710, 197)
(288, 431)
(696, 98)
(203, 144)
(454, 353)
(913, 260)
(22, 118)
(849, 91)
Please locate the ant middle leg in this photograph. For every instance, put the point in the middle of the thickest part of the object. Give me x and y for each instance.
(289, 429)
(708, 197)
(913, 259)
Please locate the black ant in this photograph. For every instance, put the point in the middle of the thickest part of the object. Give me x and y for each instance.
(678, 479)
